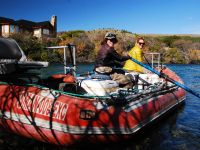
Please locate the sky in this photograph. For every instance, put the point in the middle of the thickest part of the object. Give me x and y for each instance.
(136, 16)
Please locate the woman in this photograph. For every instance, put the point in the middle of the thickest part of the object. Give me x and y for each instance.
(136, 53)
(107, 58)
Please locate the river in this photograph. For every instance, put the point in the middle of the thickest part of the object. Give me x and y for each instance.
(178, 131)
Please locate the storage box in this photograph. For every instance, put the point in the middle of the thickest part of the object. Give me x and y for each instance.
(99, 87)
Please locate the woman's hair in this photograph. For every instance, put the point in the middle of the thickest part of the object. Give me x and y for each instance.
(104, 41)
(139, 38)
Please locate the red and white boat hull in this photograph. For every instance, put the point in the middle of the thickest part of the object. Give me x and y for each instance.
(56, 117)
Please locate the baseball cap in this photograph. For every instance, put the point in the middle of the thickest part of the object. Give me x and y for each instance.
(110, 36)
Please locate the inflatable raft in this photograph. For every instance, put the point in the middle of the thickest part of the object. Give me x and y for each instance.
(84, 108)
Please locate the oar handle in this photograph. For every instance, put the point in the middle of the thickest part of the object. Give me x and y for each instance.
(168, 78)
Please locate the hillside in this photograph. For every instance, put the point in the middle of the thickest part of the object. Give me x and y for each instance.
(180, 48)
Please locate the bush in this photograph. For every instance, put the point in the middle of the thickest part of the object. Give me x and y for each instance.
(34, 48)
(173, 55)
(71, 34)
(29, 44)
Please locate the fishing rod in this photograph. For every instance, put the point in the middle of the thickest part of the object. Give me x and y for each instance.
(166, 77)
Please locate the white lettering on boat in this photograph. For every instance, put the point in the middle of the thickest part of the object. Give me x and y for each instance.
(42, 105)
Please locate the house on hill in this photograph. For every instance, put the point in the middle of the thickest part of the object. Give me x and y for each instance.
(38, 29)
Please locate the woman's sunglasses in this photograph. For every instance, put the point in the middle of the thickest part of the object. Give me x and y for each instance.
(114, 40)
(141, 43)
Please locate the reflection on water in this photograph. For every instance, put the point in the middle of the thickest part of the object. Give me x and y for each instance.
(180, 130)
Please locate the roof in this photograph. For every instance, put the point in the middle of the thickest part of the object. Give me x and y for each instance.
(46, 24)
(26, 23)
(4, 20)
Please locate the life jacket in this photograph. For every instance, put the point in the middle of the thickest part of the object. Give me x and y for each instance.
(135, 53)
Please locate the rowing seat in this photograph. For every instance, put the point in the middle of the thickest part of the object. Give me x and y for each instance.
(32, 64)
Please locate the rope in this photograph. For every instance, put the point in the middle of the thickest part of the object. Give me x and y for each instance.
(61, 92)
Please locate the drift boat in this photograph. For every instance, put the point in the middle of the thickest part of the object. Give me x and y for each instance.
(64, 109)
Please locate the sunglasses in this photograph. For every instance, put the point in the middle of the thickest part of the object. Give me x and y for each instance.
(141, 43)
(114, 40)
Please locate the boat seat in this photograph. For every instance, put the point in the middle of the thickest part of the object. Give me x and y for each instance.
(32, 64)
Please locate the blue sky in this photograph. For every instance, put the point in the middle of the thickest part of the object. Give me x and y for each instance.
(137, 16)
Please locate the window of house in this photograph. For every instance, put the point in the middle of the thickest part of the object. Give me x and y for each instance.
(17, 29)
(46, 31)
(12, 28)
(5, 28)
(36, 31)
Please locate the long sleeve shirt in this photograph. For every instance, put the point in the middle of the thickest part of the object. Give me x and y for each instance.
(107, 56)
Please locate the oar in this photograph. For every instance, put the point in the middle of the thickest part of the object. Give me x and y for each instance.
(168, 78)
